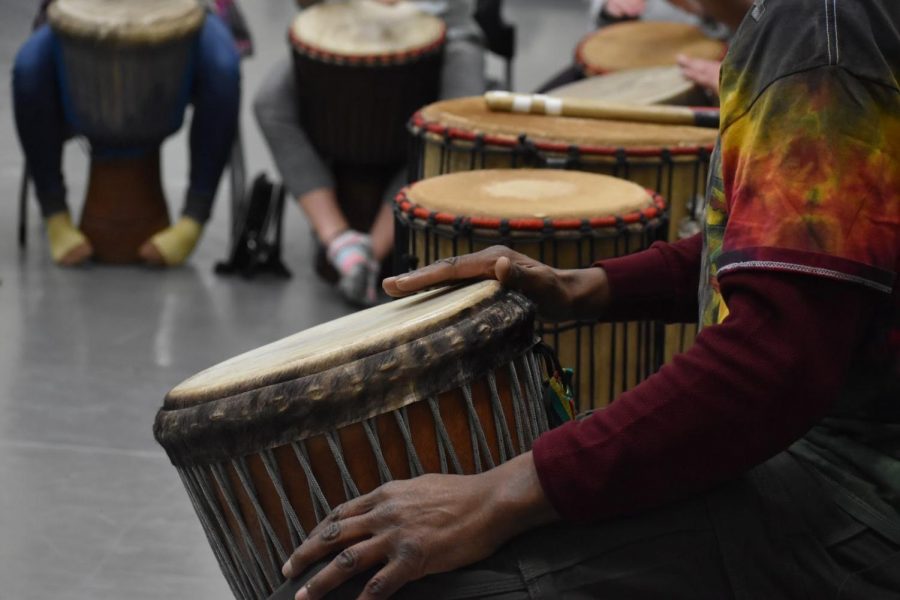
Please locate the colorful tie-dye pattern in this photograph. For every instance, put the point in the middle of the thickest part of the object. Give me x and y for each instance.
(806, 180)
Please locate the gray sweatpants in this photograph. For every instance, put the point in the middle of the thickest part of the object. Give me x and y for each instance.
(298, 163)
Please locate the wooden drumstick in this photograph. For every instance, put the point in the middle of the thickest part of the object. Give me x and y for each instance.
(540, 104)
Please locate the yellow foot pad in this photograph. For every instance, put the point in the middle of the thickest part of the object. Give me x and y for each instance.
(171, 246)
(68, 246)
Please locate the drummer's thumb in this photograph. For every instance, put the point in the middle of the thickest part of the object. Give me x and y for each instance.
(510, 274)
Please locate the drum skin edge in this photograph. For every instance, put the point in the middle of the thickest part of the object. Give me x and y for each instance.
(363, 388)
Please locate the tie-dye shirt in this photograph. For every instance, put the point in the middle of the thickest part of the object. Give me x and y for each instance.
(806, 180)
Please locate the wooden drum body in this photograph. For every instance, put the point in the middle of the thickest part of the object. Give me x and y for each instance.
(362, 70)
(465, 135)
(269, 442)
(562, 218)
(639, 44)
(125, 80)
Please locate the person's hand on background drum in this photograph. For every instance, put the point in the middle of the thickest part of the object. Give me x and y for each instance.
(624, 9)
(560, 294)
(701, 71)
(418, 527)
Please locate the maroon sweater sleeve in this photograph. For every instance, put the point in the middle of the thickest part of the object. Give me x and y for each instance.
(658, 283)
(746, 389)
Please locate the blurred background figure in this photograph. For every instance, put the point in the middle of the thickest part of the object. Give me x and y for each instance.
(356, 254)
(46, 116)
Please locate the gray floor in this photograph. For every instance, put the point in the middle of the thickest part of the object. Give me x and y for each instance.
(89, 506)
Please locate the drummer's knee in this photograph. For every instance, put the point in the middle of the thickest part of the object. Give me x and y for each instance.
(218, 55)
(33, 69)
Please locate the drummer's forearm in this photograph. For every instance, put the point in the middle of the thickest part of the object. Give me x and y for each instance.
(658, 283)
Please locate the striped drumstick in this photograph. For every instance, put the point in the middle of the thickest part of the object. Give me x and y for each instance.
(540, 104)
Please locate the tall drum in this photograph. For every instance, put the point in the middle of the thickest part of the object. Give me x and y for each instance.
(638, 44)
(362, 69)
(563, 218)
(267, 443)
(125, 79)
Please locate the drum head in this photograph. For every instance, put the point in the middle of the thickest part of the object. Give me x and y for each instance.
(530, 194)
(366, 28)
(366, 364)
(640, 44)
(471, 117)
(652, 85)
(351, 338)
(133, 21)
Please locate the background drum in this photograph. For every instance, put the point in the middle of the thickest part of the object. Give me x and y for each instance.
(268, 442)
(125, 80)
(563, 218)
(638, 44)
(362, 70)
(650, 85)
(464, 135)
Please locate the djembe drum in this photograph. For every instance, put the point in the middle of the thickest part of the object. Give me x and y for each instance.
(464, 135)
(650, 85)
(566, 219)
(638, 44)
(362, 69)
(447, 381)
(125, 79)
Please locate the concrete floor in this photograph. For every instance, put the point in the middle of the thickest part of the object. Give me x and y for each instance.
(89, 506)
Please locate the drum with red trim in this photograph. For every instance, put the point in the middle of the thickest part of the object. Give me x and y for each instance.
(464, 134)
(638, 44)
(567, 219)
(362, 69)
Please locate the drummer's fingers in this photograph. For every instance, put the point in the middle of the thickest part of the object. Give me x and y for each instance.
(468, 266)
(398, 572)
(329, 536)
(349, 562)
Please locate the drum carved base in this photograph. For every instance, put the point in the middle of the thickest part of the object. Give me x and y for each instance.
(124, 206)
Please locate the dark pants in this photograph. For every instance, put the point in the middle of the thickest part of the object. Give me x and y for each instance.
(42, 126)
(772, 534)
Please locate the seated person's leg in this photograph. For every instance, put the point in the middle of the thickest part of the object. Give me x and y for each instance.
(310, 181)
(216, 99)
(463, 72)
(42, 129)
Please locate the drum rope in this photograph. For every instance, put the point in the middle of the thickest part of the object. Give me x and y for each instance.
(225, 487)
(240, 466)
(518, 408)
(543, 421)
(249, 583)
(319, 502)
(252, 575)
(531, 395)
(506, 446)
(350, 489)
(213, 536)
(295, 528)
(444, 440)
(384, 472)
(475, 422)
(415, 466)
(257, 586)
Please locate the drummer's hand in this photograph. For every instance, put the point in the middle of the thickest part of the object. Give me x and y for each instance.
(701, 71)
(417, 527)
(560, 294)
(624, 9)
